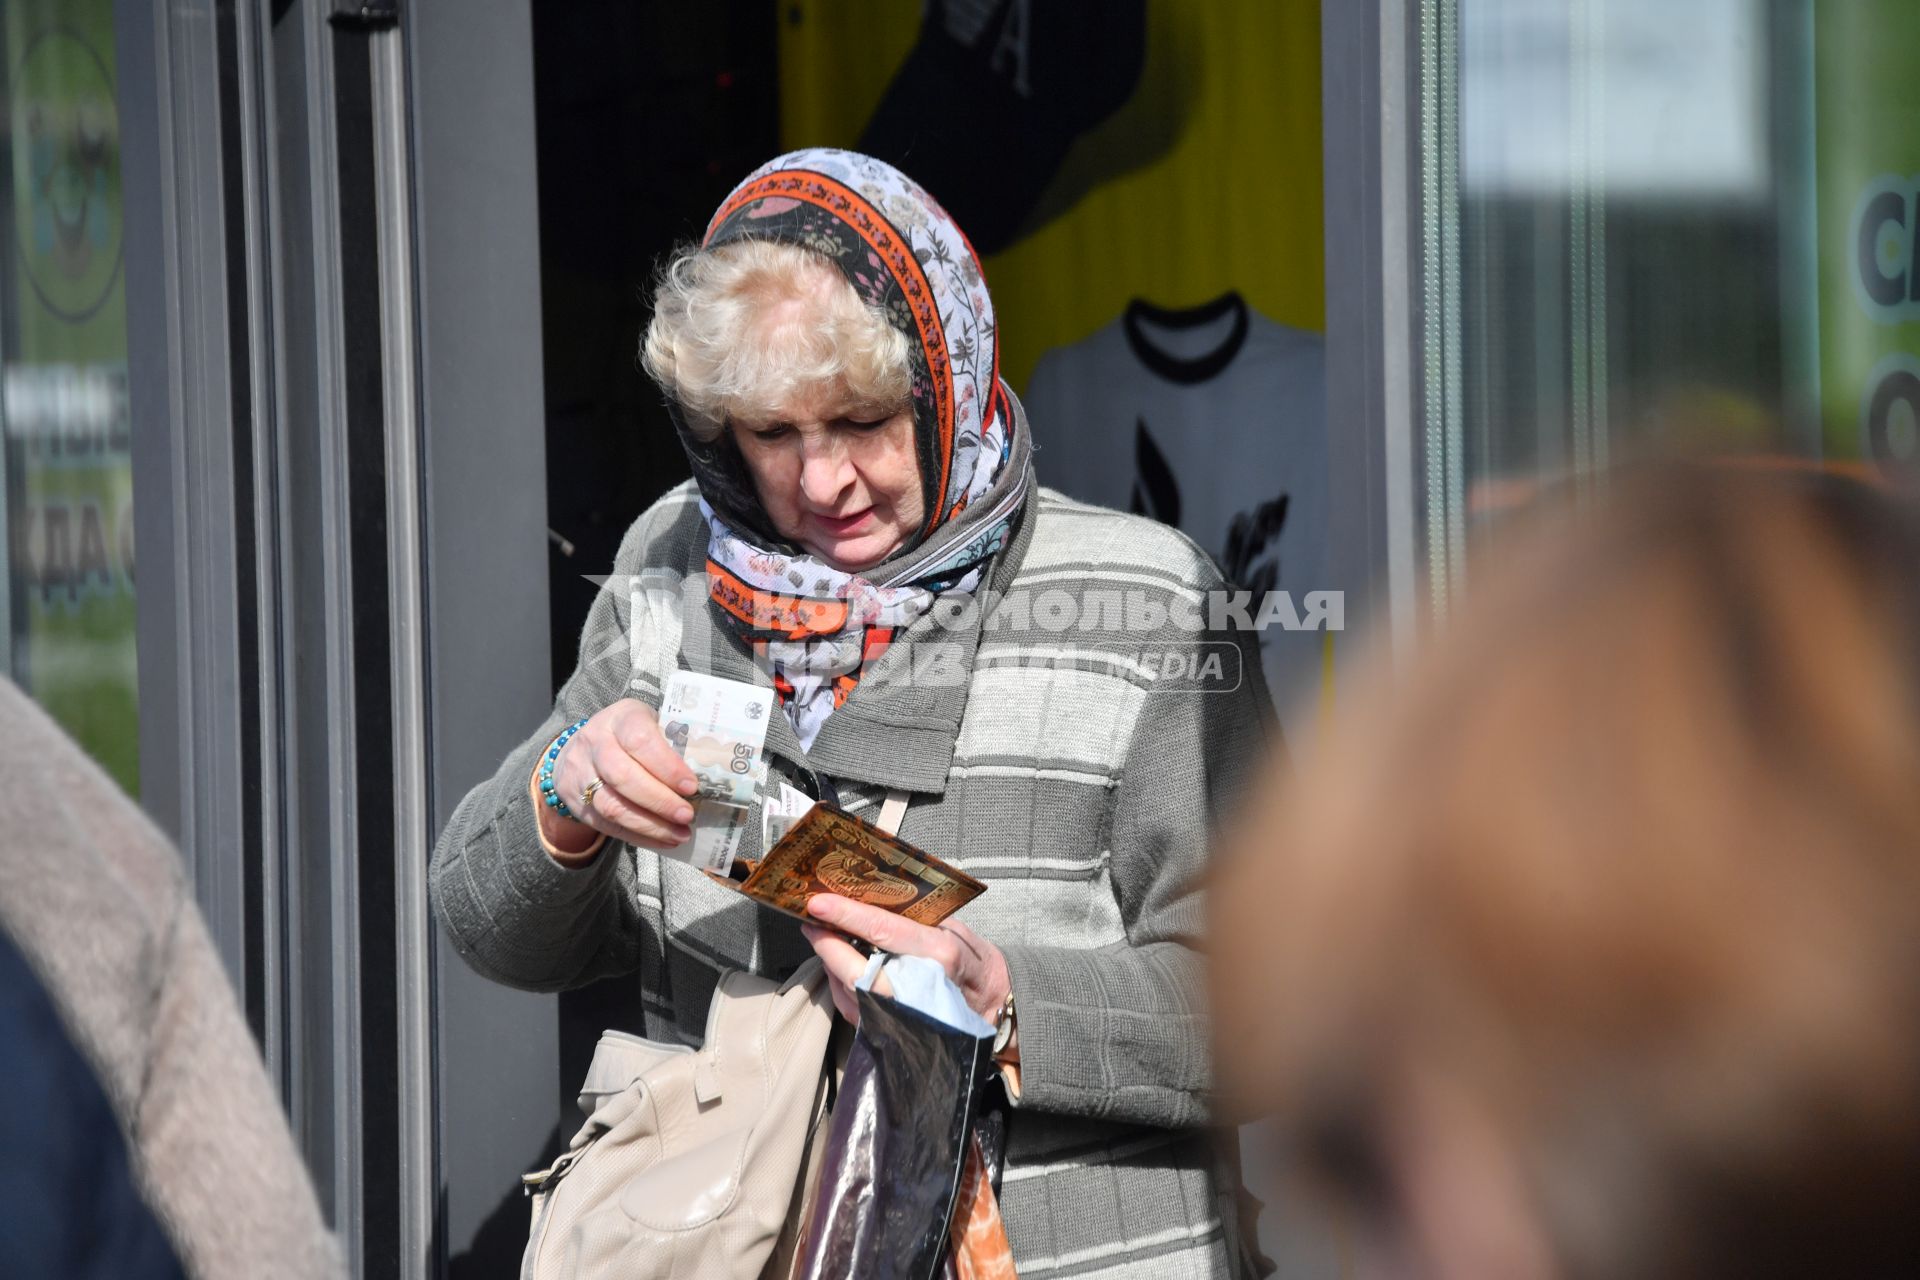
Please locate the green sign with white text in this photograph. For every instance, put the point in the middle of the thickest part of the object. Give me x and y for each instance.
(1867, 112)
(63, 372)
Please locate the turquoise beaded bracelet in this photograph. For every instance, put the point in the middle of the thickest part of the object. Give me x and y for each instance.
(547, 792)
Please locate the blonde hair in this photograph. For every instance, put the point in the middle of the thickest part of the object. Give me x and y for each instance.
(724, 342)
(1630, 863)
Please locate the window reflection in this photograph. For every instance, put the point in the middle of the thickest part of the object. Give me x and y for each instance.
(68, 471)
(1639, 220)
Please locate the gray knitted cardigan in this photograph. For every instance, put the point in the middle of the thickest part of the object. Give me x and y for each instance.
(1051, 768)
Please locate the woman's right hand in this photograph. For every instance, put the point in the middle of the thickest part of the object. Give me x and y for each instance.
(645, 787)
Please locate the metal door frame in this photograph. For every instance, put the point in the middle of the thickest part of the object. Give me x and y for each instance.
(1373, 216)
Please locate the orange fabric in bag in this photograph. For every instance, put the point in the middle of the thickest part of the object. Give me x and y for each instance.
(978, 1236)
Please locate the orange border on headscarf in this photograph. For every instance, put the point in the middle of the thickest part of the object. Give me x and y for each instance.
(772, 613)
(871, 226)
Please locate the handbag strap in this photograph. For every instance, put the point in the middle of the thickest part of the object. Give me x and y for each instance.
(744, 1008)
(892, 811)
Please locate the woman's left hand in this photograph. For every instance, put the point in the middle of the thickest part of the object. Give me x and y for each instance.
(975, 965)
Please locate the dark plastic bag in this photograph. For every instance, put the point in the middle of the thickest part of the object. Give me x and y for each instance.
(902, 1122)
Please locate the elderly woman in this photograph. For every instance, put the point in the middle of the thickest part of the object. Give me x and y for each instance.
(864, 530)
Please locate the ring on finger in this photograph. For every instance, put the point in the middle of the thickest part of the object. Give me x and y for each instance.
(588, 792)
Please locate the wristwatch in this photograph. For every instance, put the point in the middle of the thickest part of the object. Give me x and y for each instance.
(1003, 1029)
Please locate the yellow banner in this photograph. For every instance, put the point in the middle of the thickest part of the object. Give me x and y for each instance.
(1207, 178)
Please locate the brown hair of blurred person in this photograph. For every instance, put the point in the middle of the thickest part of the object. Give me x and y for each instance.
(1590, 949)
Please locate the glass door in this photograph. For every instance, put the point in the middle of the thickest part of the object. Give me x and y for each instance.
(1637, 230)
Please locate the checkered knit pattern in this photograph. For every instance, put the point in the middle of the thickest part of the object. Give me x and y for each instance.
(1077, 786)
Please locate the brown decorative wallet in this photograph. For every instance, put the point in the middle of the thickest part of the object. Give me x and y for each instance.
(830, 851)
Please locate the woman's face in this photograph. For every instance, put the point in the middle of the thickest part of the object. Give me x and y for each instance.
(835, 477)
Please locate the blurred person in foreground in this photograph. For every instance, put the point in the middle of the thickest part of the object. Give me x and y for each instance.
(1591, 949)
(69, 1204)
(97, 904)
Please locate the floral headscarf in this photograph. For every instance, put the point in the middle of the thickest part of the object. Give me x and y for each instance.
(903, 254)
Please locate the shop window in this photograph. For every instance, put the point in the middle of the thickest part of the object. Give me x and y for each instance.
(66, 471)
(1648, 225)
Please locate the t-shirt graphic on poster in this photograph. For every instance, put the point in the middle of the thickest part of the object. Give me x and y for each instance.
(1212, 420)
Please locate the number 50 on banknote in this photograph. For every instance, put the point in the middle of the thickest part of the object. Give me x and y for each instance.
(718, 727)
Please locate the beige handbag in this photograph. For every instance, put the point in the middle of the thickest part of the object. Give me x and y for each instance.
(689, 1162)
